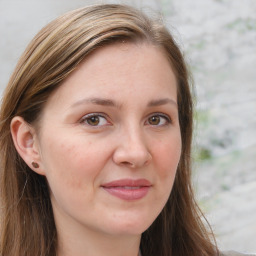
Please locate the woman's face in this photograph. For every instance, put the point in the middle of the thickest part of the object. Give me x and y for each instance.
(109, 141)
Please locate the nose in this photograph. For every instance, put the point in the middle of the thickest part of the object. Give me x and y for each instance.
(132, 150)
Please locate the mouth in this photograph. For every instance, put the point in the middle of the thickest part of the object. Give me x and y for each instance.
(128, 189)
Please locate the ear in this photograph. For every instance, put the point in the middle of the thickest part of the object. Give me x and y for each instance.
(26, 144)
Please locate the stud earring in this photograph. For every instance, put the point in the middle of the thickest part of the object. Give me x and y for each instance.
(35, 165)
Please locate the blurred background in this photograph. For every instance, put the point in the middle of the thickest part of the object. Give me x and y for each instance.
(218, 38)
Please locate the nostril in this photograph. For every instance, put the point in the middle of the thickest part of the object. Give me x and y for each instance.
(135, 162)
(132, 165)
(132, 154)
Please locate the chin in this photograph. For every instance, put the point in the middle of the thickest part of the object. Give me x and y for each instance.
(131, 225)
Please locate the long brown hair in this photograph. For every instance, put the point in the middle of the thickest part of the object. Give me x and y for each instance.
(27, 223)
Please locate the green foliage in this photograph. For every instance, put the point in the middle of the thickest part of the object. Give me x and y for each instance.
(242, 25)
(204, 154)
(203, 120)
(202, 117)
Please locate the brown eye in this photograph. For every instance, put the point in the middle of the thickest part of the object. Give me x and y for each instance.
(154, 120)
(158, 120)
(93, 120)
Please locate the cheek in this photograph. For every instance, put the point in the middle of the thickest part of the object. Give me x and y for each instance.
(71, 163)
(167, 156)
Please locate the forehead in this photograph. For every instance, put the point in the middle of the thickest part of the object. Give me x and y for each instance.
(120, 69)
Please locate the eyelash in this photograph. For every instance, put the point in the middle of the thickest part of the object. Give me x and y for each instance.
(161, 115)
(87, 117)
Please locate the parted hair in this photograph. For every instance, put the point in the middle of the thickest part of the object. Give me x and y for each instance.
(27, 222)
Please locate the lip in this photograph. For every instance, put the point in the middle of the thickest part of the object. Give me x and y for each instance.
(128, 189)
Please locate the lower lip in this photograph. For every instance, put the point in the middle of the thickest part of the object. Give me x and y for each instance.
(128, 193)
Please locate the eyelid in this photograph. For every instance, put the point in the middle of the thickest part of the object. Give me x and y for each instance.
(167, 117)
(98, 114)
(102, 115)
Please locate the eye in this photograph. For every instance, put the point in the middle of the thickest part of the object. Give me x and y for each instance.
(158, 120)
(95, 120)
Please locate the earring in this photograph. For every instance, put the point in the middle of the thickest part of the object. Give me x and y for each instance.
(35, 165)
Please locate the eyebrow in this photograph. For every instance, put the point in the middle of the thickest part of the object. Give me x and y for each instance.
(97, 101)
(160, 102)
(111, 103)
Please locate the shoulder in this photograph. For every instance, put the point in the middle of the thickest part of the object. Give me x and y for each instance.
(232, 253)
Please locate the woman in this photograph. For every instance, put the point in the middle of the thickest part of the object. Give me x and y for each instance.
(96, 127)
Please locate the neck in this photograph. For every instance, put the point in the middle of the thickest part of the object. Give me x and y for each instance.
(104, 246)
(92, 243)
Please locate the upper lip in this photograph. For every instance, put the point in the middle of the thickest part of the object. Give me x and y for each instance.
(127, 183)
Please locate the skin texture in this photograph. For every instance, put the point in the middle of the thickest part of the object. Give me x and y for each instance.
(115, 117)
